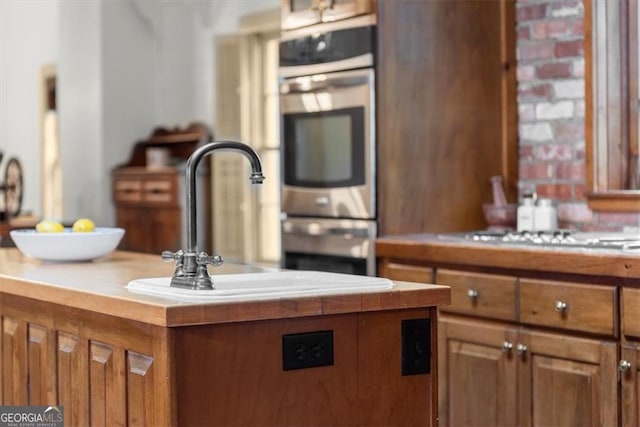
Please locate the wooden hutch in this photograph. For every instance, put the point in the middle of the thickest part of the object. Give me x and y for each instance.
(149, 198)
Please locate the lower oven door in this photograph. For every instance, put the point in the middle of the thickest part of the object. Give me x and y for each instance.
(334, 245)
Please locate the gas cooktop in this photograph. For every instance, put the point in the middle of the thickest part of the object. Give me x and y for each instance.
(558, 238)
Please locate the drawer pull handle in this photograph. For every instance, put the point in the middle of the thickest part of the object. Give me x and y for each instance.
(473, 294)
(561, 306)
(521, 349)
(507, 346)
(624, 365)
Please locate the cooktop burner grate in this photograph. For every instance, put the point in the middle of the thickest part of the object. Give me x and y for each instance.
(556, 238)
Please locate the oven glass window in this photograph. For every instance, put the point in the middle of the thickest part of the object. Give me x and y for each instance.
(325, 148)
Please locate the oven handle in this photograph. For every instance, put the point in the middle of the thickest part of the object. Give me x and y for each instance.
(317, 230)
(308, 84)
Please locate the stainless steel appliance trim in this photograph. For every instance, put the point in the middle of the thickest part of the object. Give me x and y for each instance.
(326, 27)
(338, 237)
(345, 202)
(328, 82)
(360, 61)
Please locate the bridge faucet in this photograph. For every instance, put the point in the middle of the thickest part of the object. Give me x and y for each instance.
(191, 270)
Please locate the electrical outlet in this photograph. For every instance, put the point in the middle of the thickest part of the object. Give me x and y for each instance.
(416, 346)
(307, 350)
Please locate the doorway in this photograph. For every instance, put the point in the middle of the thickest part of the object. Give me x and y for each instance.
(51, 167)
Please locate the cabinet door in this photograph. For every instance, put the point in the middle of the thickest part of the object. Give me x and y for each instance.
(630, 379)
(477, 372)
(105, 371)
(164, 230)
(136, 236)
(631, 312)
(566, 381)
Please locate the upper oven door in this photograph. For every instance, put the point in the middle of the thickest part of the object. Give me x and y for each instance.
(328, 145)
(327, 48)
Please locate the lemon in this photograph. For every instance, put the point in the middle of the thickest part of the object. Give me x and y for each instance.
(83, 225)
(48, 226)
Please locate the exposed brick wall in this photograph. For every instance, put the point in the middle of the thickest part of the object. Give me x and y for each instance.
(551, 111)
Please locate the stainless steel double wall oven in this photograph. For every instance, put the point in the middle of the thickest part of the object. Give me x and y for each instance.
(328, 144)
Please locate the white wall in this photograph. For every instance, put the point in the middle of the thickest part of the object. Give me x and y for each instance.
(124, 66)
(28, 40)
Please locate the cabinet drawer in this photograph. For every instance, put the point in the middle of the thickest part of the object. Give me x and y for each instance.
(127, 190)
(478, 294)
(588, 308)
(407, 273)
(159, 191)
(631, 312)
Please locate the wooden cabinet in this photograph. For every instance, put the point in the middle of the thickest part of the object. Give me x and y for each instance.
(565, 380)
(446, 112)
(150, 201)
(572, 306)
(629, 365)
(486, 295)
(517, 350)
(148, 208)
(108, 371)
(630, 384)
(478, 378)
(103, 370)
(511, 375)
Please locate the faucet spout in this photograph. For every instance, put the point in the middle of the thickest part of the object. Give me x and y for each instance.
(192, 164)
(191, 271)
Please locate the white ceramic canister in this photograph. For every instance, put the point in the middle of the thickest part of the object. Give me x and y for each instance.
(545, 216)
(526, 219)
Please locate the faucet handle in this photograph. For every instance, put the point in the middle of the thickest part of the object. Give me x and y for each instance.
(173, 256)
(204, 259)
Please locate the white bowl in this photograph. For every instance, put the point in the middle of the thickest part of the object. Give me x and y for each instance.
(67, 245)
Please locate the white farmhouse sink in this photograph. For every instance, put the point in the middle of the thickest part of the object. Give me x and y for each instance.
(260, 286)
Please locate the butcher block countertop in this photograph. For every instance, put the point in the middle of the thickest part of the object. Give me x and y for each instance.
(622, 266)
(100, 286)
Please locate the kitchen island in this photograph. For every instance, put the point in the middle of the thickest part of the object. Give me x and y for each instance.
(73, 335)
(535, 334)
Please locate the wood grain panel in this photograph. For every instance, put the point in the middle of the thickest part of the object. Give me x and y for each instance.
(14, 355)
(73, 379)
(266, 395)
(574, 382)
(118, 331)
(438, 252)
(446, 112)
(385, 397)
(140, 402)
(631, 312)
(127, 191)
(160, 192)
(567, 380)
(405, 272)
(589, 308)
(630, 388)
(364, 385)
(474, 365)
(42, 366)
(477, 294)
(107, 386)
(2, 373)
